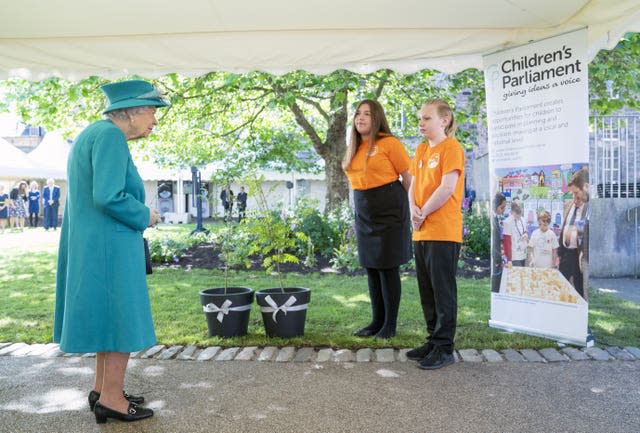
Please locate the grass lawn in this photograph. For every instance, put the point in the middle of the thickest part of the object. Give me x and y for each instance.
(339, 305)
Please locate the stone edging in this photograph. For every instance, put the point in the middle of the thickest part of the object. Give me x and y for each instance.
(310, 354)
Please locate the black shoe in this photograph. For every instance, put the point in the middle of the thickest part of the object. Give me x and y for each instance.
(367, 331)
(419, 353)
(385, 333)
(436, 359)
(94, 396)
(134, 413)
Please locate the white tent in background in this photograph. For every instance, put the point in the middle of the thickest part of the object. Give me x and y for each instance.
(79, 38)
(51, 153)
(14, 163)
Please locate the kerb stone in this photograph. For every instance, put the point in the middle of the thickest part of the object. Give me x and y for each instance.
(268, 354)
(228, 354)
(385, 355)
(552, 355)
(470, 355)
(513, 355)
(633, 350)
(575, 354)
(492, 356)
(188, 353)
(246, 354)
(364, 355)
(598, 354)
(306, 354)
(169, 353)
(620, 354)
(208, 353)
(152, 352)
(343, 355)
(532, 355)
(286, 354)
(324, 355)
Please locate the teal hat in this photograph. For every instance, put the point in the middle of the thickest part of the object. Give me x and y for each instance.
(132, 93)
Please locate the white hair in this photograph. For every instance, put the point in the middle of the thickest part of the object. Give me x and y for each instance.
(124, 113)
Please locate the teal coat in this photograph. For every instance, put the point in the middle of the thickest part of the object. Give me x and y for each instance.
(102, 301)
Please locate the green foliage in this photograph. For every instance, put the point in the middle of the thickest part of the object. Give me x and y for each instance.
(235, 247)
(168, 246)
(275, 236)
(614, 77)
(476, 235)
(323, 235)
(346, 257)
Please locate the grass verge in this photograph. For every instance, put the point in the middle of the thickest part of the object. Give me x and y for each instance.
(339, 305)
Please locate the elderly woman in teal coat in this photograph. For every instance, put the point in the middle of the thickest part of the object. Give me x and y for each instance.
(102, 301)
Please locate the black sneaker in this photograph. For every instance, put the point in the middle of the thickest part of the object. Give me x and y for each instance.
(436, 359)
(419, 353)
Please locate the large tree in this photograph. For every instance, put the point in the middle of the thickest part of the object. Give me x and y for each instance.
(244, 121)
(258, 120)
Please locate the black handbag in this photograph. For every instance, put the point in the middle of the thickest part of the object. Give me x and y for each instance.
(147, 257)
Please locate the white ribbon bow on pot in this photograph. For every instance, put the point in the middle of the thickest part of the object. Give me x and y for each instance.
(287, 306)
(224, 309)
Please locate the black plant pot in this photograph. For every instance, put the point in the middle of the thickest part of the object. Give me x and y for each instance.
(284, 313)
(227, 313)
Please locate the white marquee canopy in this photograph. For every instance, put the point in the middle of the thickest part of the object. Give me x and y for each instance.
(113, 38)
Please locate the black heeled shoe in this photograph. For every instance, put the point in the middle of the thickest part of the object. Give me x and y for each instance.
(367, 331)
(94, 396)
(134, 413)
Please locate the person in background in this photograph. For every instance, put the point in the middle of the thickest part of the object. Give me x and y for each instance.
(515, 236)
(18, 206)
(4, 209)
(435, 198)
(242, 203)
(543, 245)
(34, 203)
(374, 163)
(226, 196)
(102, 299)
(499, 205)
(51, 202)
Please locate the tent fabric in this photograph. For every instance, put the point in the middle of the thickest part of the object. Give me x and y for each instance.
(52, 152)
(14, 163)
(78, 38)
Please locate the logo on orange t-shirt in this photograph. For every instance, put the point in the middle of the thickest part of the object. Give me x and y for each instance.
(434, 160)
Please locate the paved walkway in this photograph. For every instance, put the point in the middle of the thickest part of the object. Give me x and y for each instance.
(44, 391)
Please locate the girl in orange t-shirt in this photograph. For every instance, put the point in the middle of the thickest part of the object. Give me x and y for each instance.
(374, 162)
(435, 198)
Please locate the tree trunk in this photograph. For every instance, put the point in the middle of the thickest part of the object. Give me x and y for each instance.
(336, 181)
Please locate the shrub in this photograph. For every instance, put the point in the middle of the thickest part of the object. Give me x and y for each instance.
(476, 235)
(169, 247)
(322, 234)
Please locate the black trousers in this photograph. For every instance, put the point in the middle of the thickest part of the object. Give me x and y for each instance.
(570, 267)
(436, 266)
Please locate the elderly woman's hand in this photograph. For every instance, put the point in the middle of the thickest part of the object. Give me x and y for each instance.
(154, 217)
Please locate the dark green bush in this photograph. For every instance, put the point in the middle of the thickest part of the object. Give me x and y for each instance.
(476, 234)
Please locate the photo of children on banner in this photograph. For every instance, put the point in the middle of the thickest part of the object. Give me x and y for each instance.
(515, 236)
(543, 245)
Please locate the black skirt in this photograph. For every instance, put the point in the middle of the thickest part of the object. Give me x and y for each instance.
(382, 222)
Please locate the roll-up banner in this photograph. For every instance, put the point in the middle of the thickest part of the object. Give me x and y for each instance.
(537, 109)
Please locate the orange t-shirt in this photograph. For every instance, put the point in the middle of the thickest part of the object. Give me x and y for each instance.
(428, 167)
(387, 160)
